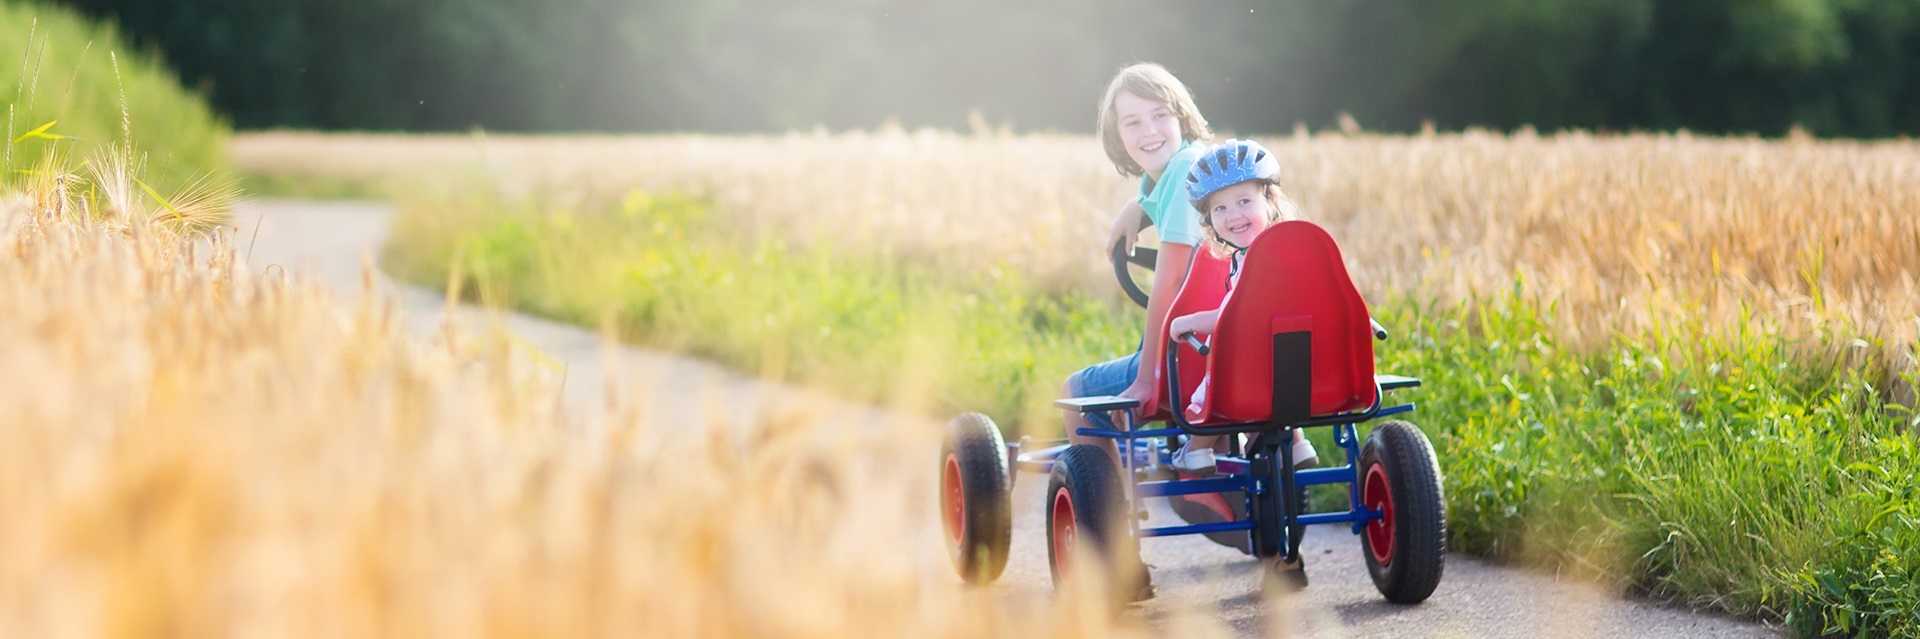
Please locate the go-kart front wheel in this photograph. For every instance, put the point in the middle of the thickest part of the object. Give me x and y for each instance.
(1405, 549)
(976, 509)
(1086, 520)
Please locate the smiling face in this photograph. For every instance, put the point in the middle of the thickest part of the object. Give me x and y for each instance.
(1148, 129)
(1240, 212)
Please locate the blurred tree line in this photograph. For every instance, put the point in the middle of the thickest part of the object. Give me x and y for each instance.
(1836, 67)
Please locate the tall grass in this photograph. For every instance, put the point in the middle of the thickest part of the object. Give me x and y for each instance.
(1681, 365)
(102, 98)
(664, 272)
(1720, 469)
(193, 448)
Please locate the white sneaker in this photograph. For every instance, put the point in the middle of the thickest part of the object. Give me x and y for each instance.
(1304, 456)
(1194, 462)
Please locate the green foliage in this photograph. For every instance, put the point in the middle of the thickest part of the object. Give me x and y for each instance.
(1840, 67)
(1871, 584)
(1725, 469)
(84, 81)
(314, 185)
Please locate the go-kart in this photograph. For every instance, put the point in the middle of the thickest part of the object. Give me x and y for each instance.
(1293, 349)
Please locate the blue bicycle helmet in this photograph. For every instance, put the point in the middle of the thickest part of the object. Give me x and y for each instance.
(1229, 163)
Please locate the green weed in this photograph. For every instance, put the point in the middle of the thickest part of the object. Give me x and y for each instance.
(80, 92)
(1725, 471)
(886, 331)
(314, 186)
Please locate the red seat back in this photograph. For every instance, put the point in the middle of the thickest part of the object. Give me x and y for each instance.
(1206, 285)
(1292, 279)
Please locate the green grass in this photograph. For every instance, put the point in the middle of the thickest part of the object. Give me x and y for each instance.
(888, 331)
(1735, 470)
(58, 67)
(315, 186)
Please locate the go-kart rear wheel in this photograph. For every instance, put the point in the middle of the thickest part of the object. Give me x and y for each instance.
(1086, 519)
(976, 510)
(1405, 550)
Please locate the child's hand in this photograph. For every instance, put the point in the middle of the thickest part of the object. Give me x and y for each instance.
(1201, 323)
(1137, 392)
(1183, 325)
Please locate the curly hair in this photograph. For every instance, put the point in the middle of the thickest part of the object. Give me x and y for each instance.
(1283, 208)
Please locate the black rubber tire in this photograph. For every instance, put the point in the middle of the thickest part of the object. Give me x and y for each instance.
(1418, 552)
(979, 529)
(1266, 540)
(1269, 509)
(1099, 508)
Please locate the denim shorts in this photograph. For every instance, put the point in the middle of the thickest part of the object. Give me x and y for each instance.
(1105, 378)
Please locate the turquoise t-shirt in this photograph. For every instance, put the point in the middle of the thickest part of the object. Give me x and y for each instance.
(1166, 202)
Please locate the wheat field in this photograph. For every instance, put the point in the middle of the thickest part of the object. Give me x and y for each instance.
(197, 449)
(1625, 337)
(1620, 233)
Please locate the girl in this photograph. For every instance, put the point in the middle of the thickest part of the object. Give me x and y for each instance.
(1238, 195)
(1236, 187)
(1148, 124)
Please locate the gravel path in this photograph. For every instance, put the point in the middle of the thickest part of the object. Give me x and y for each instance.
(335, 243)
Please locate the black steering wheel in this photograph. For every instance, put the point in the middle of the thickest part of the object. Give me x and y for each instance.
(1142, 257)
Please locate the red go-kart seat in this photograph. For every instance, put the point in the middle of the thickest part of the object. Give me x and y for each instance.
(1292, 280)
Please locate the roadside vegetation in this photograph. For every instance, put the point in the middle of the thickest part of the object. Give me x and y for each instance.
(1684, 366)
(662, 270)
(196, 446)
(78, 93)
(1729, 469)
(199, 448)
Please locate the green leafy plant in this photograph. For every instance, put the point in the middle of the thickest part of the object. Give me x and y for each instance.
(81, 90)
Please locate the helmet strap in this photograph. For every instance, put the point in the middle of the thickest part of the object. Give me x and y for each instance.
(1233, 263)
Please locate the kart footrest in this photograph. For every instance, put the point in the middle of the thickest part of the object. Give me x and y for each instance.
(1197, 529)
(1096, 404)
(1172, 487)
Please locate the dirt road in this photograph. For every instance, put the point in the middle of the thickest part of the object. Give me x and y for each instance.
(333, 242)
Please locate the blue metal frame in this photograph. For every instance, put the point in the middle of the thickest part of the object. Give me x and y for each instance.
(1235, 473)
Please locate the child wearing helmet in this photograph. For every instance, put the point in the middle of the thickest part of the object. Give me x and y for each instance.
(1236, 188)
(1149, 127)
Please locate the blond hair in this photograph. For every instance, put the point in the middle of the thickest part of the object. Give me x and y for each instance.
(1153, 82)
(1283, 208)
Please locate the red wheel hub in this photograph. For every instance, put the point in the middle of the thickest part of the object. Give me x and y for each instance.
(1065, 530)
(1376, 495)
(955, 496)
